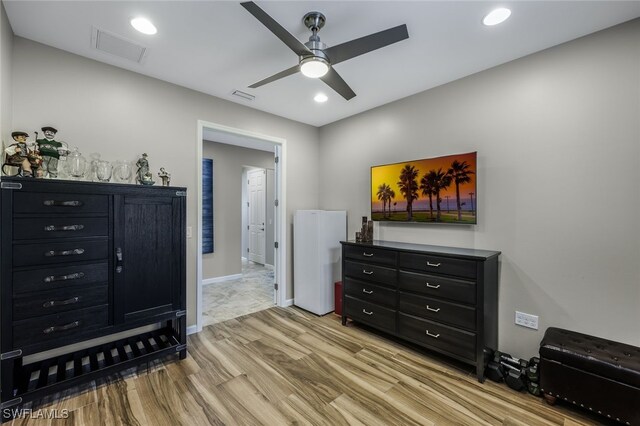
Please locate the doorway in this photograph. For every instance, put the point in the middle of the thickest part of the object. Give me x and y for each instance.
(278, 250)
(257, 215)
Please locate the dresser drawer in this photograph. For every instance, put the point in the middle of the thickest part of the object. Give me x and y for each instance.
(30, 305)
(434, 285)
(445, 338)
(370, 293)
(59, 277)
(62, 326)
(370, 254)
(438, 310)
(437, 264)
(40, 202)
(49, 253)
(370, 313)
(368, 272)
(59, 227)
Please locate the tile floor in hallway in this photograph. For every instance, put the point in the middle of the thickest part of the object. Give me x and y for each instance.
(231, 299)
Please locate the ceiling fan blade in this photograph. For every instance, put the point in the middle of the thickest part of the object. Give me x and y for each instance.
(294, 69)
(333, 80)
(359, 46)
(271, 24)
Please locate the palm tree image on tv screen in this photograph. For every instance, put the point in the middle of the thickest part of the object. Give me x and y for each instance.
(438, 190)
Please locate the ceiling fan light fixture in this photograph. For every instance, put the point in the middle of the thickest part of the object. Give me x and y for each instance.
(314, 67)
(496, 16)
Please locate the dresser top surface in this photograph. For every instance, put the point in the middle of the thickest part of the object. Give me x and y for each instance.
(468, 253)
(56, 184)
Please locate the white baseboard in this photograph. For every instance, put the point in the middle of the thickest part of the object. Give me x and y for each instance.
(288, 302)
(192, 329)
(221, 279)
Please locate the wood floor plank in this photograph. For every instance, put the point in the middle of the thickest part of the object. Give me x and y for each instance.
(285, 366)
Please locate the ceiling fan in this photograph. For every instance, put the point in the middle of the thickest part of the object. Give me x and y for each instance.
(316, 59)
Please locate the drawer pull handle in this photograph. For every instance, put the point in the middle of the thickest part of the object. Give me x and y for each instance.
(435, 265)
(74, 276)
(62, 203)
(64, 228)
(118, 260)
(55, 328)
(433, 309)
(364, 271)
(367, 254)
(52, 303)
(364, 290)
(364, 311)
(437, 286)
(435, 336)
(73, 252)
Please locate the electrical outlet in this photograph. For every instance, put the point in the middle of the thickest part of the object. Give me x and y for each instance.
(527, 320)
(189, 231)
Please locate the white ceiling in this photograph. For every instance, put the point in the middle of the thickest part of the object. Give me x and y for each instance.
(216, 47)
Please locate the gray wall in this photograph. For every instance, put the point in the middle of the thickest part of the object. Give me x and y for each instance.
(228, 163)
(122, 114)
(6, 51)
(558, 144)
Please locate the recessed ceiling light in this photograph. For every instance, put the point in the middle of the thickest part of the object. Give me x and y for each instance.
(320, 98)
(144, 26)
(496, 16)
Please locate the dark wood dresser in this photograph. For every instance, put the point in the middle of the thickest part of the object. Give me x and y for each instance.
(441, 298)
(84, 260)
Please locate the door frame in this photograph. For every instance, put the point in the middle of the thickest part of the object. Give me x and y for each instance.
(280, 257)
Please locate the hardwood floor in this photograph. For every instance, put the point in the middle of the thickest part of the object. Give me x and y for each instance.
(285, 366)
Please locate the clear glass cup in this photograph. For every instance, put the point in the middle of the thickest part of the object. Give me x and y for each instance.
(104, 170)
(92, 175)
(122, 171)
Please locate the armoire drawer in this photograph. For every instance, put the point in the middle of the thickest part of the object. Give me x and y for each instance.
(443, 337)
(50, 202)
(370, 293)
(48, 278)
(434, 285)
(438, 310)
(370, 254)
(63, 326)
(437, 264)
(59, 227)
(50, 253)
(370, 313)
(31, 305)
(368, 272)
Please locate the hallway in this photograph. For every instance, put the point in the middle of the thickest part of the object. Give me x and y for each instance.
(231, 299)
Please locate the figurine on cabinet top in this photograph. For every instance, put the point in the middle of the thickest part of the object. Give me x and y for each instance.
(22, 156)
(144, 176)
(165, 176)
(51, 150)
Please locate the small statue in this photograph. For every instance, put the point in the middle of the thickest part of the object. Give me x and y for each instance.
(165, 176)
(22, 155)
(51, 151)
(144, 176)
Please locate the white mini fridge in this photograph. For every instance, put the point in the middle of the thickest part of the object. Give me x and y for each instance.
(317, 258)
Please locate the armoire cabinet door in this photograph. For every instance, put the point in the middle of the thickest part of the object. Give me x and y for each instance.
(147, 258)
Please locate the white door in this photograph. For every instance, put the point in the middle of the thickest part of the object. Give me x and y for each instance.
(257, 205)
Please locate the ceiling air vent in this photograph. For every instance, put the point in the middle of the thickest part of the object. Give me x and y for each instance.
(243, 95)
(117, 46)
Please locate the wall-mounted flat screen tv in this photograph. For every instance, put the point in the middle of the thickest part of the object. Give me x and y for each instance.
(433, 190)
